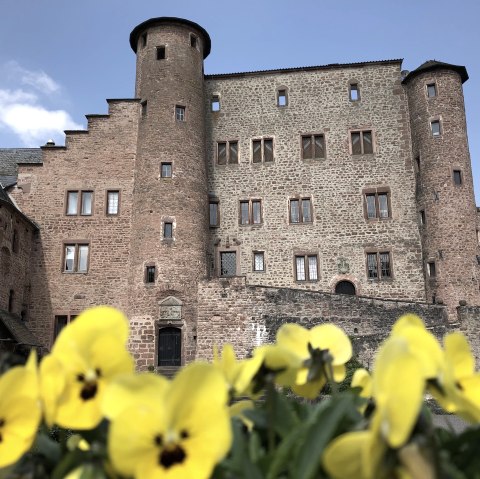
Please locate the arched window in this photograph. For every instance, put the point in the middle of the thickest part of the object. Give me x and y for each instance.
(169, 346)
(345, 287)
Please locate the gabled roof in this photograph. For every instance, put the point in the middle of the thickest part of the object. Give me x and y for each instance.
(7, 180)
(20, 333)
(432, 65)
(4, 196)
(11, 157)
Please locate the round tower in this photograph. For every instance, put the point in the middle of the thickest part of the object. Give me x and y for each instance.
(170, 203)
(445, 197)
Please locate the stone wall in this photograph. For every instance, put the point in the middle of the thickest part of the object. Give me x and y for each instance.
(230, 311)
(318, 103)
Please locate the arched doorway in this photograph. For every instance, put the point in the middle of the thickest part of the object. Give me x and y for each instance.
(169, 346)
(345, 287)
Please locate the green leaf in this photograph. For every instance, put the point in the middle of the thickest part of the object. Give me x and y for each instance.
(326, 420)
(285, 416)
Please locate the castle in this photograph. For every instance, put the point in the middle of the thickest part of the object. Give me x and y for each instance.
(212, 208)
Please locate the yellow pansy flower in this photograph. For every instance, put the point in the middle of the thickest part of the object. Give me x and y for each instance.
(177, 432)
(238, 374)
(87, 355)
(306, 358)
(20, 412)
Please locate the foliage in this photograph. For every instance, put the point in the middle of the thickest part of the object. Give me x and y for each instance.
(83, 413)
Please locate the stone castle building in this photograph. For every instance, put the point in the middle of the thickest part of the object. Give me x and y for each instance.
(212, 208)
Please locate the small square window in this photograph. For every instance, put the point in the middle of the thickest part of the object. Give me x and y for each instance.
(313, 147)
(436, 130)
(281, 97)
(113, 201)
(354, 92)
(258, 261)
(161, 53)
(301, 210)
(166, 170)
(457, 177)
(431, 90)
(168, 230)
(262, 150)
(179, 113)
(150, 274)
(431, 268)
(227, 152)
(215, 103)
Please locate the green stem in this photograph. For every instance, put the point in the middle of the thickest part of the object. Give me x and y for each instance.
(271, 415)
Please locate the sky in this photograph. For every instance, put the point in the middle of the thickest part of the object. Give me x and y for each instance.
(61, 59)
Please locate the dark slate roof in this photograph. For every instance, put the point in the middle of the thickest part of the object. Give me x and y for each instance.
(330, 66)
(4, 196)
(20, 333)
(432, 65)
(7, 181)
(159, 20)
(11, 157)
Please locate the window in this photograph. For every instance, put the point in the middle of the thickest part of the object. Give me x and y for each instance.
(85, 198)
(417, 163)
(214, 214)
(61, 320)
(379, 265)
(354, 92)
(361, 142)
(377, 205)
(193, 41)
(251, 212)
(282, 97)
(435, 125)
(431, 269)
(144, 40)
(76, 258)
(431, 90)
(150, 274)
(258, 261)
(113, 202)
(215, 103)
(161, 54)
(306, 268)
(15, 241)
(457, 177)
(301, 210)
(166, 169)
(168, 230)
(227, 152)
(11, 297)
(423, 218)
(313, 147)
(262, 150)
(144, 108)
(228, 263)
(179, 113)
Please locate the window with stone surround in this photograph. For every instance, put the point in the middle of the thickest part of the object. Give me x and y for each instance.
(457, 177)
(377, 203)
(76, 257)
(361, 142)
(161, 52)
(166, 169)
(251, 212)
(258, 261)
(214, 213)
(306, 267)
(113, 202)
(179, 113)
(215, 103)
(436, 128)
(227, 152)
(282, 97)
(228, 263)
(168, 230)
(431, 90)
(150, 273)
(353, 92)
(262, 150)
(79, 202)
(422, 217)
(379, 265)
(60, 321)
(431, 269)
(313, 147)
(300, 210)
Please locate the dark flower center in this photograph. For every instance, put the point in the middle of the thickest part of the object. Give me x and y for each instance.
(90, 388)
(170, 457)
(2, 423)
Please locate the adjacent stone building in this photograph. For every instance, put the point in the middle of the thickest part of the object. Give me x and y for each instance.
(215, 207)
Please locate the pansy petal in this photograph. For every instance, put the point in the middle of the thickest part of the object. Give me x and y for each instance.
(459, 355)
(361, 378)
(331, 337)
(294, 338)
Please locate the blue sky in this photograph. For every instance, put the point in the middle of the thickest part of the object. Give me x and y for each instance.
(61, 59)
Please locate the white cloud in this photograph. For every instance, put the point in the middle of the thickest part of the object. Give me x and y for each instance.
(22, 111)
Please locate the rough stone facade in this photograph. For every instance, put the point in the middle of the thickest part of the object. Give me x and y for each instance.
(250, 199)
